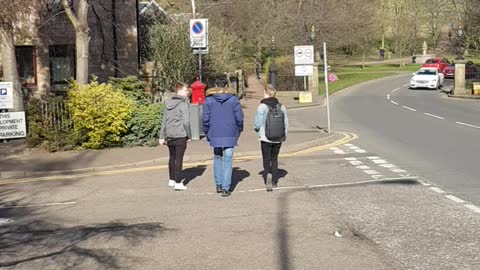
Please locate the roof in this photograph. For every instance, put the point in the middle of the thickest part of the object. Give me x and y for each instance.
(143, 6)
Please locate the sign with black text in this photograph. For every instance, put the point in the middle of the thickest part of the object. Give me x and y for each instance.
(12, 125)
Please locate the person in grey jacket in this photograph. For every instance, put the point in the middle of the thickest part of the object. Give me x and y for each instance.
(175, 132)
(270, 149)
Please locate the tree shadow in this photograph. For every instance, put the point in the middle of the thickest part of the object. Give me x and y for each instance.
(283, 245)
(43, 245)
(191, 174)
(237, 176)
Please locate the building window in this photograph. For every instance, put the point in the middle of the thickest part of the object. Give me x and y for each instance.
(62, 65)
(26, 64)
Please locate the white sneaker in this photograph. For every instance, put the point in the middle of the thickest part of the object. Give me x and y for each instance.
(171, 183)
(180, 186)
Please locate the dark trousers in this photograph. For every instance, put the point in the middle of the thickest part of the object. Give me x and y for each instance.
(176, 147)
(270, 153)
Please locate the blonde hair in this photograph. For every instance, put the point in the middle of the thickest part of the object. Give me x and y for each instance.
(270, 90)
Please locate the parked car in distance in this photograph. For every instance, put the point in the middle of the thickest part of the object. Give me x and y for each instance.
(471, 71)
(449, 71)
(438, 63)
(429, 78)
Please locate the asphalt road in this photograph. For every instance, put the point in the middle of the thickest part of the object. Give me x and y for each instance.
(134, 221)
(433, 136)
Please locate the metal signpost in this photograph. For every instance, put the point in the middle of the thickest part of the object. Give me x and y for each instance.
(199, 40)
(325, 70)
(304, 60)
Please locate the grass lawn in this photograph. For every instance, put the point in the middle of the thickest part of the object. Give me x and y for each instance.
(352, 75)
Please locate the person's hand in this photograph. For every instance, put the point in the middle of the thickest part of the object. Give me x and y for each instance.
(161, 141)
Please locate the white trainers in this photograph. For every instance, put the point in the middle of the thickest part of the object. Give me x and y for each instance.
(171, 183)
(180, 186)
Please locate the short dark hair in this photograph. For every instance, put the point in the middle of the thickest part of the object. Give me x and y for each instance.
(221, 82)
(179, 86)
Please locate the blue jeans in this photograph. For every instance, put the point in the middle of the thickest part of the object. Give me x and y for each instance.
(222, 166)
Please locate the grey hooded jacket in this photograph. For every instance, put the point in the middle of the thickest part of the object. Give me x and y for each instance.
(176, 119)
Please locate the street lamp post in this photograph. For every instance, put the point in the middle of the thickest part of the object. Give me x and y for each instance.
(273, 67)
(311, 39)
(458, 40)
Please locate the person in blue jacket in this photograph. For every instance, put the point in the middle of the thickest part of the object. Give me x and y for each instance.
(222, 123)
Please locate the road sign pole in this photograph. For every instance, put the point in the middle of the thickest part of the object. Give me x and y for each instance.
(325, 70)
(200, 65)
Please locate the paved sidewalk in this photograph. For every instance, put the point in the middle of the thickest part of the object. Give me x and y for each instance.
(17, 162)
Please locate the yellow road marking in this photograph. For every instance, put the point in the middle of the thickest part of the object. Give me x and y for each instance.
(347, 137)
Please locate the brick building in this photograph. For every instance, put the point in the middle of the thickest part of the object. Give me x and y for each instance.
(113, 48)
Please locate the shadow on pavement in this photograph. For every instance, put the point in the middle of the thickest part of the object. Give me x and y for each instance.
(47, 245)
(283, 245)
(281, 174)
(237, 176)
(39, 163)
(191, 174)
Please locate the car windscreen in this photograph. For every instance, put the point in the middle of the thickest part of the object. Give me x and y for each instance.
(431, 61)
(426, 72)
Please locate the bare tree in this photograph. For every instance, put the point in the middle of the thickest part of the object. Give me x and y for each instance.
(436, 17)
(79, 20)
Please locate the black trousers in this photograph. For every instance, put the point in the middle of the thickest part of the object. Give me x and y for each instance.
(176, 147)
(270, 153)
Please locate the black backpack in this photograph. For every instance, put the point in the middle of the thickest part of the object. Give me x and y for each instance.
(275, 124)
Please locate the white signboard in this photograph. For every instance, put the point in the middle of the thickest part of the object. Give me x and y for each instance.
(304, 70)
(12, 125)
(6, 95)
(199, 33)
(304, 55)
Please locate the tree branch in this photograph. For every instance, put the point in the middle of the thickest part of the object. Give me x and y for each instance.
(71, 16)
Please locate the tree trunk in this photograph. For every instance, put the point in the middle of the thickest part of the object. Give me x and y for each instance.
(82, 41)
(10, 71)
(43, 65)
(363, 57)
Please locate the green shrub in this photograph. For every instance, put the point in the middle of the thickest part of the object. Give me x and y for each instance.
(133, 88)
(171, 50)
(145, 123)
(144, 126)
(49, 124)
(99, 113)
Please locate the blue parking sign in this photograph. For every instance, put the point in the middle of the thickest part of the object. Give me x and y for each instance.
(3, 92)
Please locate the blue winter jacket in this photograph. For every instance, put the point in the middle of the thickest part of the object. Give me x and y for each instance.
(222, 118)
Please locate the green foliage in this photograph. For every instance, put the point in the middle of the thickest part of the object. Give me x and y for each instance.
(132, 88)
(145, 123)
(171, 51)
(49, 124)
(144, 126)
(99, 113)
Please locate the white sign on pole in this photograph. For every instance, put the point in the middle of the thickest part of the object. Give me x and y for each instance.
(304, 55)
(199, 33)
(6, 95)
(304, 70)
(12, 125)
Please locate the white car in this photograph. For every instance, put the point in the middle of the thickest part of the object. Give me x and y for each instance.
(427, 78)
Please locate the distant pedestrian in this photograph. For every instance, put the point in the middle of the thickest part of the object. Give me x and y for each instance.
(222, 124)
(271, 124)
(174, 132)
(258, 67)
(382, 54)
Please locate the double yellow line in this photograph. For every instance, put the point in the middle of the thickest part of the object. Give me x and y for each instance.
(347, 137)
